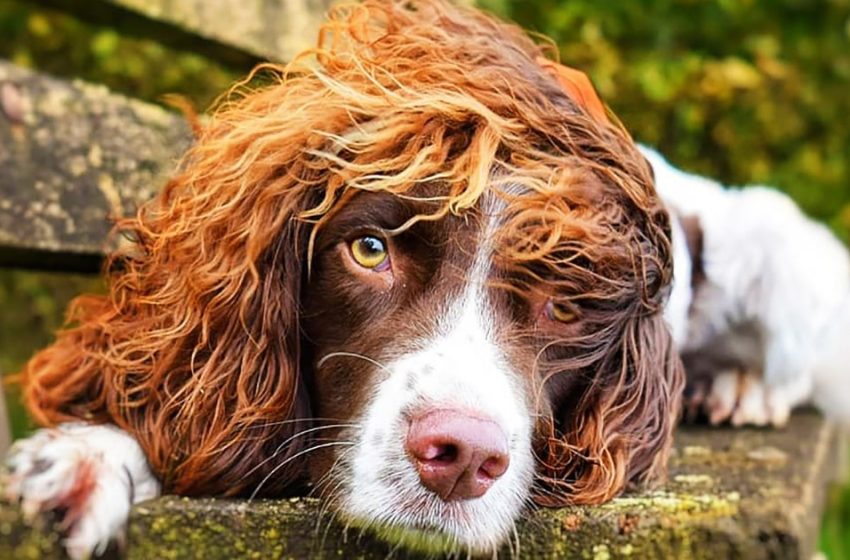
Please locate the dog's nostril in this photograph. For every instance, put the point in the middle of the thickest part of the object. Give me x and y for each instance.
(457, 456)
(493, 467)
(442, 454)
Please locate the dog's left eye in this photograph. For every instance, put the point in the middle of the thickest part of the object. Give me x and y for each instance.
(370, 252)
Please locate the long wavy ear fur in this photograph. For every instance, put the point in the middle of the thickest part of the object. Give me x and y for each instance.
(620, 427)
(196, 349)
(613, 420)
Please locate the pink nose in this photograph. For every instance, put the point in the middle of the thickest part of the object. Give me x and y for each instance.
(458, 456)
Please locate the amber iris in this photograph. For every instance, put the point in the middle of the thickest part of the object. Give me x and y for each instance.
(369, 252)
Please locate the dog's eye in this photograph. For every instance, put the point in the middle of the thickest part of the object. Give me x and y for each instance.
(561, 313)
(370, 252)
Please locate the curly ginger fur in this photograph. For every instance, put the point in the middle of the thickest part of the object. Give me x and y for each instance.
(195, 350)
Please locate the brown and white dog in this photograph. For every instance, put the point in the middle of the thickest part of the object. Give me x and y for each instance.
(421, 273)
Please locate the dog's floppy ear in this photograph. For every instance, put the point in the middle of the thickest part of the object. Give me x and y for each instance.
(578, 87)
(619, 428)
(195, 351)
(617, 400)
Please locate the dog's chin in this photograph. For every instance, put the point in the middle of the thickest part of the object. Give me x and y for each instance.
(418, 520)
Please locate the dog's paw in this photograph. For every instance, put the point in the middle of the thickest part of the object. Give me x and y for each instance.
(743, 399)
(90, 476)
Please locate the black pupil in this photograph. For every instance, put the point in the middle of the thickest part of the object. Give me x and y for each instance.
(372, 245)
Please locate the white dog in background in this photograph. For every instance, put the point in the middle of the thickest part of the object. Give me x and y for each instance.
(761, 301)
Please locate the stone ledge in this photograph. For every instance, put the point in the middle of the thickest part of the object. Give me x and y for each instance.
(743, 493)
(72, 155)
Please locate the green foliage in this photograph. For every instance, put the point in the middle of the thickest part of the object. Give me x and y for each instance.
(33, 308)
(835, 533)
(748, 91)
(57, 43)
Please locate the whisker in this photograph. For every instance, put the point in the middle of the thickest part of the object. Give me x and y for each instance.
(295, 421)
(327, 487)
(331, 471)
(290, 459)
(323, 486)
(344, 354)
(292, 438)
(515, 550)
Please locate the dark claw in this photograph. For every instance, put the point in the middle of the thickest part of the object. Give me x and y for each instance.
(41, 465)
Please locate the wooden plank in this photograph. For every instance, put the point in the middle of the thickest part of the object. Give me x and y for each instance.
(71, 155)
(271, 29)
(732, 493)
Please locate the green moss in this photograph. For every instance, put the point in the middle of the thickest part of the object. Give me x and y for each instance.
(600, 552)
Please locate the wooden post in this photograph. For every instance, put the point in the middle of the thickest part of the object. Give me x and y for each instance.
(5, 425)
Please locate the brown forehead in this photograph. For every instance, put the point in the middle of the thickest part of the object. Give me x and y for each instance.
(395, 216)
(444, 249)
(503, 218)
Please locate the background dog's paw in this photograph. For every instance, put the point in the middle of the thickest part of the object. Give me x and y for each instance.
(89, 476)
(752, 408)
(744, 399)
(722, 397)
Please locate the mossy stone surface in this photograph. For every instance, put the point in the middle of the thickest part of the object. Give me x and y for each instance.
(732, 493)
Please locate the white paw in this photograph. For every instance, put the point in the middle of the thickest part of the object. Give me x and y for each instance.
(752, 408)
(91, 474)
(743, 399)
(722, 397)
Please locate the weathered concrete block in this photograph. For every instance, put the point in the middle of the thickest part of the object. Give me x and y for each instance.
(269, 29)
(71, 155)
(732, 493)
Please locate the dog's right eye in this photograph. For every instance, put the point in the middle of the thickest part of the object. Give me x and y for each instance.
(370, 252)
(561, 313)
